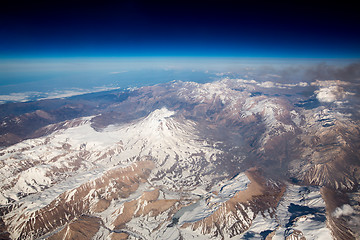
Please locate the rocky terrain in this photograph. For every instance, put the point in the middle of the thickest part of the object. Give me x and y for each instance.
(230, 159)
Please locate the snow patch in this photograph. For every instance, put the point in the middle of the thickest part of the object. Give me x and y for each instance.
(210, 202)
(32, 180)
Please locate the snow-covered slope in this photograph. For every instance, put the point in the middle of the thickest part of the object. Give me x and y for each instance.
(300, 214)
(214, 163)
(36, 164)
(69, 158)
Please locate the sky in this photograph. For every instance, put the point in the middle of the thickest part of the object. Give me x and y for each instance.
(292, 29)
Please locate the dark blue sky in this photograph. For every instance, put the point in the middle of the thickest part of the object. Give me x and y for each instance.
(179, 28)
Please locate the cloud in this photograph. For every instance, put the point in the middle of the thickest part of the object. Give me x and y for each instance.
(117, 72)
(290, 85)
(243, 81)
(344, 210)
(329, 83)
(267, 84)
(331, 90)
(220, 74)
(330, 94)
(28, 96)
(17, 97)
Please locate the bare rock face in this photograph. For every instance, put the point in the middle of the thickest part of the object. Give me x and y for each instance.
(82, 228)
(93, 196)
(147, 206)
(235, 215)
(337, 217)
(182, 160)
(329, 141)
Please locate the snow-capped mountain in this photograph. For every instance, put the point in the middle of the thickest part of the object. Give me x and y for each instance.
(182, 160)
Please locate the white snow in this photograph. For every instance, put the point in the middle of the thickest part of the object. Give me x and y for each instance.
(157, 135)
(209, 203)
(32, 180)
(260, 224)
(48, 166)
(307, 224)
(270, 110)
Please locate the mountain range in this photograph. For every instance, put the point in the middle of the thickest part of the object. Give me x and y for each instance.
(229, 159)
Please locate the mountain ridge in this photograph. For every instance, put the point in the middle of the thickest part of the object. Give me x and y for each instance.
(197, 140)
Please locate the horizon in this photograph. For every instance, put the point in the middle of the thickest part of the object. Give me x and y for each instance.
(52, 45)
(31, 79)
